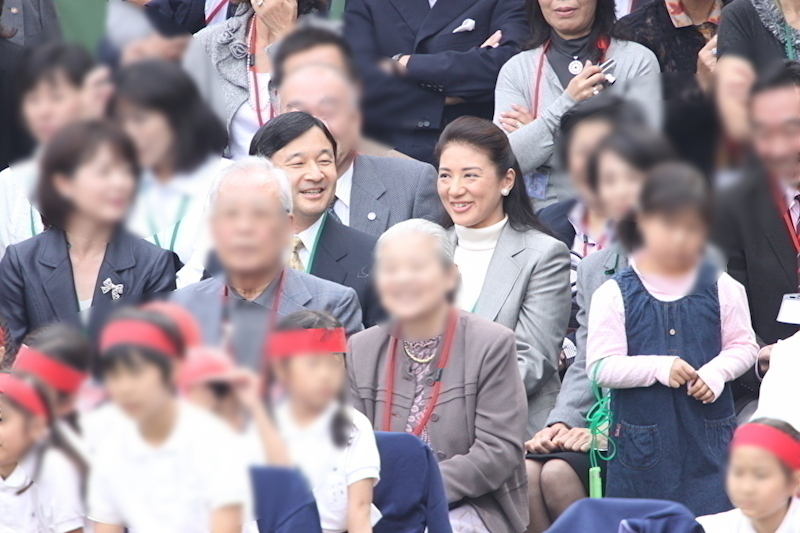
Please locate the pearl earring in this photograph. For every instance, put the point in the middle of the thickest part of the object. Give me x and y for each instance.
(504, 191)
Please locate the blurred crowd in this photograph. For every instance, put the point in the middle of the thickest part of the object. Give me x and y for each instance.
(402, 266)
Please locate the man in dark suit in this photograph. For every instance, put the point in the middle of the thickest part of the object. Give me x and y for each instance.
(428, 62)
(752, 227)
(372, 193)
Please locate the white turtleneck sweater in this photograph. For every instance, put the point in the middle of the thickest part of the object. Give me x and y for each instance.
(474, 250)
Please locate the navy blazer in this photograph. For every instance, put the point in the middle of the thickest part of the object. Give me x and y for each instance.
(37, 287)
(556, 217)
(344, 256)
(408, 112)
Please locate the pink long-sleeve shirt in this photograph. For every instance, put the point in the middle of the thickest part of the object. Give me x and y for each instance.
(607, 342)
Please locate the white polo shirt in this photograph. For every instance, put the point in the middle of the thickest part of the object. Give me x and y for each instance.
(734, 521)
(329, 469)
(52, 505)
(172, 488)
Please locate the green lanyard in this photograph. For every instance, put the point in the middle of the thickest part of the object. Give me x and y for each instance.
(33, 224)
(181, 212)
(788, 42)
(313, 250)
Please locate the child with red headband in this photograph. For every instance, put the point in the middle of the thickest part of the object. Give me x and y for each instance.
(763, 481)
(168, 467)
(314, 428)
(40, 482)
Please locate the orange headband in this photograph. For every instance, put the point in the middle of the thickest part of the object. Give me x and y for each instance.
(23, 394)
(286, 344)
(138, 333)
(770, 439)
(56, 374)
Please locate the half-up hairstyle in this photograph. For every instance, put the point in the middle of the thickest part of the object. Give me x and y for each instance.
(484, 136)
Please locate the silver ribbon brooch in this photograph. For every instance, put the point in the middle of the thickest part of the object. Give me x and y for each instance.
(116, 290)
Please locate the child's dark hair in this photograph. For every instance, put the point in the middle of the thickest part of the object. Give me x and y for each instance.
(639, 146)
(669, 188)
(55, 439)
(122, 355)
(342, 423)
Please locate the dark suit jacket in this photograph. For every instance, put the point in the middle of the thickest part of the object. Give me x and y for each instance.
(189, 15)
(37, 287)
(14, 141)
(556, 217)
(344, 256)
(409, 112)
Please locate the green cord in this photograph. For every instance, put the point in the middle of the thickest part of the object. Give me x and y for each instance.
(788, 42)
(599, 418)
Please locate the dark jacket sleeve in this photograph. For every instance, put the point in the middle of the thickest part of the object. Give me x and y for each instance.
(12, 295)
(386, 96)
(472, 74)
(162, 274)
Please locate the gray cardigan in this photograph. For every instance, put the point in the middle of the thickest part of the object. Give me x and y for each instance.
(533, 143)
(527, 289)
(477, 427)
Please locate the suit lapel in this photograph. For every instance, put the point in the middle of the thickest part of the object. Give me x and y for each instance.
(444, 12)
(503, 271)
(413, 12)
(294, 293)
(330, 250)
(60, 285)
(119, 258)
(777, 234)
(367, 210)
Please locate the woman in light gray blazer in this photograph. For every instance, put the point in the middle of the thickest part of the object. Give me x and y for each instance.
(451, 377)
(512, 271)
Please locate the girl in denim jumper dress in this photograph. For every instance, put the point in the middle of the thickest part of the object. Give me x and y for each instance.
(666, 335)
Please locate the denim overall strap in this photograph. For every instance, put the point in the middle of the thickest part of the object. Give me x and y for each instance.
(670, 445)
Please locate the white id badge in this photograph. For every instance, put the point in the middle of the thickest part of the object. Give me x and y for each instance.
(536, 185)
(790, 309)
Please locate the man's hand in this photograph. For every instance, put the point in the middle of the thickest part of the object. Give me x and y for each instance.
(542, 442)
(764, 356)
(681, 373)
(494, 40)
(700, 391)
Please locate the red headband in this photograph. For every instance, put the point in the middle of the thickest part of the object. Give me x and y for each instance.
(285, 344)
(138, 333)
(770, 439)
(203, 365)
(23, 394)
(56, 374)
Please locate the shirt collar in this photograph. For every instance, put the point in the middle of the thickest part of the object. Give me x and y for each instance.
(310, 235)
(344, 185)
(19, 478)
(680, 18)
(140, 448)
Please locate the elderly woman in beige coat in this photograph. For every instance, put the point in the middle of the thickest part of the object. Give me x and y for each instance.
(452, 378)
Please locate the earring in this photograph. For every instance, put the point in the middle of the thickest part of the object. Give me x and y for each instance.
(504, 191)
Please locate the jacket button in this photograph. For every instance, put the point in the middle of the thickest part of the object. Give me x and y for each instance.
(420, 124)
(429, 382)
(434, 417)
(372, 216)
(426, 123)
(14, 10)
(440, 454)
(672, 331)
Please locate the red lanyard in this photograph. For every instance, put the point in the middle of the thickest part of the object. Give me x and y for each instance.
(254, 74)
(780, 203)
(452, 320)
(216, 10)
(602, 45)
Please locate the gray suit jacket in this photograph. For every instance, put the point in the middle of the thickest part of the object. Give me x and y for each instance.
(527, 289)
(300, 291)
(576, 398)
(477, 426)
(388, 190)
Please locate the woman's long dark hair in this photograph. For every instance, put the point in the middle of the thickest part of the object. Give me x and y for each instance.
(55, 439)
(483, 135)
(164, 87)
(273, 136)
(640, 147)
(342, 423)
(604, 19)
(71, 147)
(669, 188)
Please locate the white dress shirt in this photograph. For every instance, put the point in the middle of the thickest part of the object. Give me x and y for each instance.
(344, 187)
(244, 123)
(171, 488)
(52, 505)
(309, 237)
(19, 220)
(474, 251)
(222, 11)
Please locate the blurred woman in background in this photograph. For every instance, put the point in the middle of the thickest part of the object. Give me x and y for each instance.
(559, 69)
(179, 142)
(513, 271)
(85, 257)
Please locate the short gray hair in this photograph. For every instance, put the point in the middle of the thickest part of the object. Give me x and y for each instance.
(425, 227)
(259, 171)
